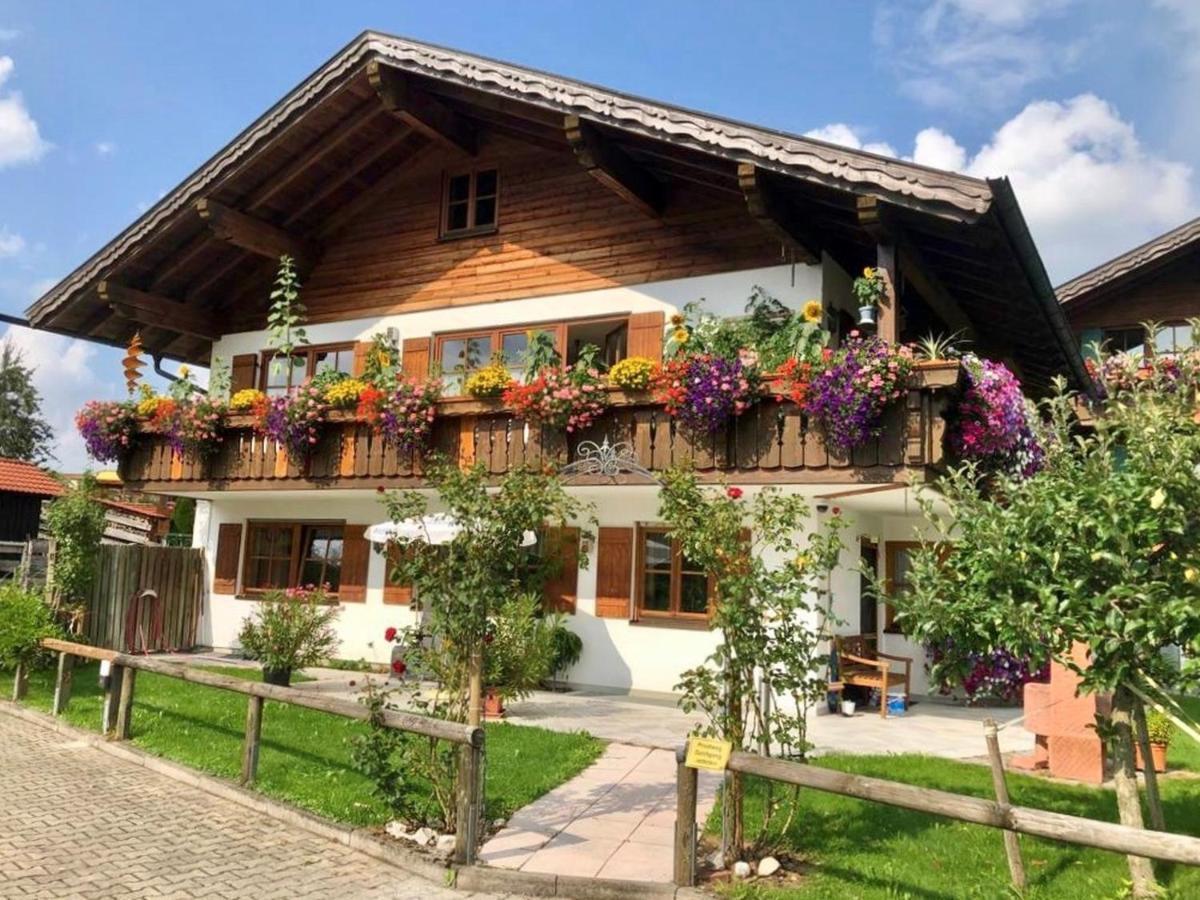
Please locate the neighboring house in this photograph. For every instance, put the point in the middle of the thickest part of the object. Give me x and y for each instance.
(130, 517)
(462, 201)
(24, 488)
(1156, 282)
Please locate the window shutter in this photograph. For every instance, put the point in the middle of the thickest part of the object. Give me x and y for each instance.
(646, 335)
(560, 591)
(243, 372)
(229, 548)
(414, 358)
(361, 349)
(356, 559)
(614, 573)
(394, 592)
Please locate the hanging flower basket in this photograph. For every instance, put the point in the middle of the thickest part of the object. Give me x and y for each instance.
(848, 398)
(993, 424)
(293, 420)
(405, 416)
(704, 391)
(568, 400)
(108, 429)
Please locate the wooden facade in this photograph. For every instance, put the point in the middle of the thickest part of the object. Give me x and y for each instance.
(20, 515)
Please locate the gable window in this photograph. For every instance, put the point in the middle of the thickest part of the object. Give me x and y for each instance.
(281, 375)
(1174, 338)
(470, 203)
(281, 555)
(669, 585)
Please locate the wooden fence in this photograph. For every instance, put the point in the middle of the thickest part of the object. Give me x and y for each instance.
(25, 562)
(10, 558)
(121, 616)
(1159, 845)
(117, 714)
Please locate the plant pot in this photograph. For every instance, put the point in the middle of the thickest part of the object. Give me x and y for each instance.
(493, 704)
(1158, 756)
(848, 707)
(866, 315)
(280, 677)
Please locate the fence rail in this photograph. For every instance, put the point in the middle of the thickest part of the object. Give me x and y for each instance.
(1159, 845)
(116, 716)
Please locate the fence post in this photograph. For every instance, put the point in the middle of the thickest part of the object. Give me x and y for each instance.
(20, 682)
(470, 792)
(123, 724)
(62, 683)
(254, 711)
(112, 694)
(1012, 844)
(685, 821)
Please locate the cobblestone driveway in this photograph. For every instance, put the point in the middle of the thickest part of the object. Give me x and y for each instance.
(76, 822)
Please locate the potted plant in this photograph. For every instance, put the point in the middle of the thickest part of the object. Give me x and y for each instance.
(634, 373)
(107, 428)
(290, 630)
(565, 399)
(490, 382)
(870, 290)
(519, 653)
(1160, 730)
(703, 391)
(405, 415)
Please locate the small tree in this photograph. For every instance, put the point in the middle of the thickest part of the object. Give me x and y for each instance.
(75, 522)
(770, 585)
(462, 583)
(24, 433)
(1102, 547)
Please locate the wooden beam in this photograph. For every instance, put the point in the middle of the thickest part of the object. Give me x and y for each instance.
(420, 110)
(254, 234)
(613, 168)
(154, 309)
(333, 185)
(871, 220)
(771, 212)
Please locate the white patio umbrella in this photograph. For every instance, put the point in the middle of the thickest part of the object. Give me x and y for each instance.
(438, 528)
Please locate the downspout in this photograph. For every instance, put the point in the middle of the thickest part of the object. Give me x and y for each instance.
(1016, 229)
(6, 319)
(163, 373)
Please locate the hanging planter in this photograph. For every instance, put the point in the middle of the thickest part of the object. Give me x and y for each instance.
(870, 290)
(866, 315)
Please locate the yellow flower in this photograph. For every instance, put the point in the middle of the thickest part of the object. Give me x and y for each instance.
(812, 311)
(490, 381)
(681, 335)
(344, 393)
(1191, 574)
(244, 399)
(184, 372)
(868, 272)
(632, 374)
(147, 405)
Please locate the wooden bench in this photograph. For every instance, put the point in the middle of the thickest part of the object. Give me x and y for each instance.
(862, 666)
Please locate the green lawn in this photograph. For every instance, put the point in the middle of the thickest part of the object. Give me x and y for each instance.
(855, 849)
(305, 756)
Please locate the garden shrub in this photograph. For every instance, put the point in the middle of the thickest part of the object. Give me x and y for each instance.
(24, 621)
(290, 630)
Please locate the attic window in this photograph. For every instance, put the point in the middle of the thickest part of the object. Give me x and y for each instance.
(470, 203)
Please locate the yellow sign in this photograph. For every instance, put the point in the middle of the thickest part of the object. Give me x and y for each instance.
(707, 753)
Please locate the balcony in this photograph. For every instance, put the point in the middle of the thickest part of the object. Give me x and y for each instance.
(771, 443)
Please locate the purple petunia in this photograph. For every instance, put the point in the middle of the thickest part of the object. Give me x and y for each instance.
(847, 399)
(993, 424)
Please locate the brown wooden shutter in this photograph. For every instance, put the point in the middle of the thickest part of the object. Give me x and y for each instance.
(414, 358)
(243, 372)
(395, 592)
(614, 573)
(646, 334)
(560, 591)
(361, 349)
(356, 559)
(229, 548)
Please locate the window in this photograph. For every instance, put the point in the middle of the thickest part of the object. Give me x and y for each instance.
(461, 353)
(899, 559)
(1173, 338)
(279, 376)
(281, 555)
(1124, 340)
(669, 585)
(470, 203)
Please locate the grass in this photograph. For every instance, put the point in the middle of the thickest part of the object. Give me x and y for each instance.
(306, 755)
(855, 849)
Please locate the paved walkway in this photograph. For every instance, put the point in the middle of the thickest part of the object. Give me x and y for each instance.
(614, 820)
(76, 822)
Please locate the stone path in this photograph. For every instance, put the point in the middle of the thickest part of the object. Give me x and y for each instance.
(76, 822)
(614, 820)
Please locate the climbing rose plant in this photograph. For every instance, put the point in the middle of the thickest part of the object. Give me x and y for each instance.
(848, 398)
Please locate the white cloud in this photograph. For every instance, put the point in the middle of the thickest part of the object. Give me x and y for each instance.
(1087, 185)
(105, 148)
(972, 53)
(9, 34)
(20, 140)
(847, 136)
(11, 244)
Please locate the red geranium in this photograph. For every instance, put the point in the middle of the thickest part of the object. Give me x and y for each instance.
(399, 667)
(389, 635)
(734, 493)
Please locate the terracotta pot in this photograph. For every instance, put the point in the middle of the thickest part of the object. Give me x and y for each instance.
(493, 705)
(1158, 755)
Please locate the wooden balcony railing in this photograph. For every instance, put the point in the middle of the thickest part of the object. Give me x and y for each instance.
(772, 443)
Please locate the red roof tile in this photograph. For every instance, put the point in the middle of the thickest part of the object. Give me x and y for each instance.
(19, 477)
(141, 509)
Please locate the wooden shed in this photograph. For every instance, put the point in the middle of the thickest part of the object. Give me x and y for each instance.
(23, 489)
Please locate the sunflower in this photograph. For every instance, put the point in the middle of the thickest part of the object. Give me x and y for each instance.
(868, 272)
(811, 311)
(681, 335)
(677, 319)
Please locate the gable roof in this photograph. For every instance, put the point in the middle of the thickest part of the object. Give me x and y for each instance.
(335, 119)
(20, 477)
(1130, 263)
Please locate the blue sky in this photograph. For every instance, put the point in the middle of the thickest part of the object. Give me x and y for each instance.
(1089, 105)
